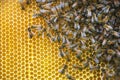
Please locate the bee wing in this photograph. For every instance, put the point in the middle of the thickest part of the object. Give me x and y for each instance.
(96, 60)
(89, 13)
(44, 11)
(108, 58)
(47, 6)
(104, 42)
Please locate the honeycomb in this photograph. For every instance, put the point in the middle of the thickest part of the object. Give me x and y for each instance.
(22, 58)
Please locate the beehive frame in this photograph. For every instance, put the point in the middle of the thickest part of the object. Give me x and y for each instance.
(22, 58)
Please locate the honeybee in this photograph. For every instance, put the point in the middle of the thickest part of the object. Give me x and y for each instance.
(64, 41)
(43, 11)
(89, 13)
(117, 3)
(30, 33)
(116, 34)
(76, 26)
(86, 63)
(22, 3)
(47, 6)
(69, 77)
(96, 60)
(107, 27)
(110, 51)
(98, 55)
(106, 9)
(92, 39)
(78, 55)
(28, 1)
(104, 42)
(61, 53)
(108, 58)
(93, 67)
(62, 71)
(77, 67)
(74, 4)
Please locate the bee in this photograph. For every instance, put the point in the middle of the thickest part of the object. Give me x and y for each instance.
(56, 27)
(110, 51)
(62, 71)
(92, 39)
(108, 58)
(37, 27)
(116, 34)
(84, 2)
(109, 42)
(118, 52)
(104, 42)
(100, 6)
(43, 11)
(83, 46)
(58, 8)
(78, 56)
(64, 41)
(86, 63)
(91, 66)
(77, 67)
(83, 34)
(67, 56)
(74, 34)
(99, 55)
(76, 26)
(107, 27)
(28, 1)
(96, 60)
(69, 77)
(44, 1)
(51, 38)
(47, 6)
(89, 13)
(105, 20)
(54, 10)
(30, 33)
(61, 53)
(22, 3)
(104, 74)
(74, 5)
(58, 38)
(77, 18)
(94, 18)
(94, 67)
(117, 3)
(36, 15)
(73, 45)
(91, 27)
(40, 0)
(106, 9)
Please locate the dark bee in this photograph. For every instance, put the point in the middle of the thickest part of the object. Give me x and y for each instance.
(30, 33)
(61, 53)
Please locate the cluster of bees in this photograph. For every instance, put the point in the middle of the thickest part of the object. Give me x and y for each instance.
(75, 22)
